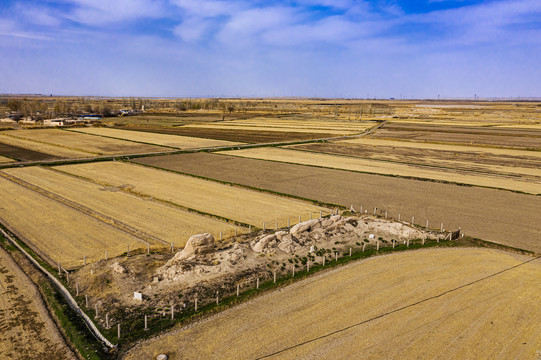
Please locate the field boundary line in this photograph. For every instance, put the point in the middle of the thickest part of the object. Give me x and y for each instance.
(139, 235)
(67, 295)
(436, 167)
(388, 175)
(116, 138)
(241, 186)
(153, 198)
(398, 309)
(52, 144)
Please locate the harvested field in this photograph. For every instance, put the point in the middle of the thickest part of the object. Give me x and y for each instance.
(497, 137)
(246, 136)
(525, 165)
(495, 215)
(27, 331)
(22, 154)
(4, 159)
(297, 128)
(57, 232)
(285, 124)
(245, 206)
(455, 303)
(173, 141)
(79, 142)
(531, 185)
(168, 120)
(162, 222)
(37, 151)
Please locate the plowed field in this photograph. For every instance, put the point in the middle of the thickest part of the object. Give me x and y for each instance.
(490, 214)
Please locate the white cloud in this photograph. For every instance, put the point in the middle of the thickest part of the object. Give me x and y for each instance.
(96, 12)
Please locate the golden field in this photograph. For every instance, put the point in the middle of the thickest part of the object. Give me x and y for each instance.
(164, 223)
(27, 331)
(388, 168)
(173, 141)
(81, 142)
(448, 303)
(59, 233)
(50, 149)
(4, 159)
(245, 206)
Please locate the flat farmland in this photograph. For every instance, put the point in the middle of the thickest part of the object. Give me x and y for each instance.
(4, 159)
(57, 232)
(22, 154)
(495, 215)
(532, 185)
(79, 142)
(26, 329)
(160, 221)
(451, 303)
(173, 141)
(30, 150)
(235, 135)
(293, 126)
(245, 206)
(497, 137)
(525, 165)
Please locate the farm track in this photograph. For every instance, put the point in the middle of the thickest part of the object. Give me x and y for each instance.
(194, 150)
(138, 234)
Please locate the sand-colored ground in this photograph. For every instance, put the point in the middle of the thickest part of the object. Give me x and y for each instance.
(80, 142)
(429, 304)
(4, 159)
(167, 223)
(174, 141)
(41, 147)
(443, 147)
(386, 167)
(281, 125)
(246, 206)
(26, 330)
(57, 232)
(521, 166)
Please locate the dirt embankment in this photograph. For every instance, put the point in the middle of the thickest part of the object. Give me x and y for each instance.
(205, 269)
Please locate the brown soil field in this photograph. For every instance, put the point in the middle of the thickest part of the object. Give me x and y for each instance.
(464, 128)
(246, 136)
(494, 215)
(298, 128)
(26, 329)
(23, 154)
(461, 135)
(50, 151)
(57, 232)
(439, 303)
(161, 221)
(520, 165)
(245, 206)
(82, 142)
(174, 141)
(530, 184)
(171, 120)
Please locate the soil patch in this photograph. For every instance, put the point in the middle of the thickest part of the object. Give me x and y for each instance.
(22, 154)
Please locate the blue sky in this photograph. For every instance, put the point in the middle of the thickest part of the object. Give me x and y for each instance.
(326, 48)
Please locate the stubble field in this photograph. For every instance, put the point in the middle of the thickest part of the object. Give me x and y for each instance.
(495, 215)
(420, 304)
(57, 232)
(156, 222)
(26, 330)
(173, 141)
(70, 144)
(241, 205)
(530, 185)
